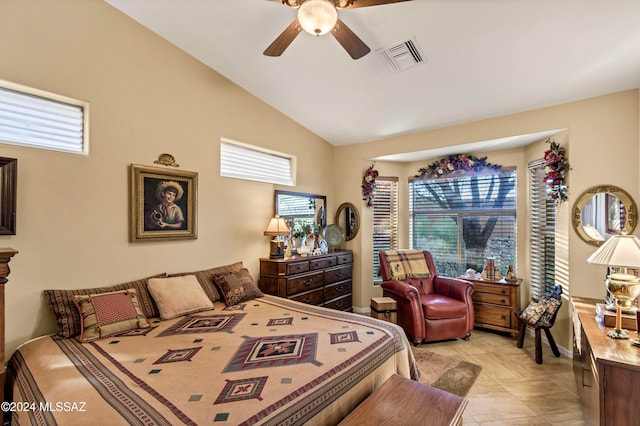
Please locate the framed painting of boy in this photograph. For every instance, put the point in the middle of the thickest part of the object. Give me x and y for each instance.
(162, 203)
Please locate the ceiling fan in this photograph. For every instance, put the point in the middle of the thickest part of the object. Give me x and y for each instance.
(319, 17)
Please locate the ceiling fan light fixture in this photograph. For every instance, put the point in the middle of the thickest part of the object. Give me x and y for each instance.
(317, 17)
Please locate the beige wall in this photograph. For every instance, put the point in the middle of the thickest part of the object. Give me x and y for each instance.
(147, 97)
(602, 143)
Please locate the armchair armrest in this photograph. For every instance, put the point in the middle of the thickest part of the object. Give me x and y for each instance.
(401, 289)
(454, 288)
(410, 315)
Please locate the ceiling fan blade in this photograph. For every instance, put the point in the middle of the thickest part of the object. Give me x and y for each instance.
(351, 42)
(283, 41)
(365, 3)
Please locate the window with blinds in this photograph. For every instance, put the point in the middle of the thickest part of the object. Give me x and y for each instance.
(242, 161)
(38, 119)
(464, 220)
(385, 220)
(542, 240)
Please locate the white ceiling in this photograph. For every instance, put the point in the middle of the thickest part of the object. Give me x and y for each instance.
(485, 58)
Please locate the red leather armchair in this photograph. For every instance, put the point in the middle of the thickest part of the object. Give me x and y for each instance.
(430, 309)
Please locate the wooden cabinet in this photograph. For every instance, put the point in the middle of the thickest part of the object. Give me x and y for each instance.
(323, 280)
(607, 371)
(495, 304)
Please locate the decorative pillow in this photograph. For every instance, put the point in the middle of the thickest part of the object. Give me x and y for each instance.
(237, 287)
(533, 312)
(178, 296)
(206, 281)
(67, 316)
(551, 305)
(107, 314)
(407, 264)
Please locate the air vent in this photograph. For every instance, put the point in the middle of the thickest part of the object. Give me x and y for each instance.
(403, 55)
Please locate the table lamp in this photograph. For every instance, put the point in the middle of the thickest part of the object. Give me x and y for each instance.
(277, 228)
(621, 251)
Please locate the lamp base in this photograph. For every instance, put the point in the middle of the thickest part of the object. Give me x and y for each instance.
(618, 334)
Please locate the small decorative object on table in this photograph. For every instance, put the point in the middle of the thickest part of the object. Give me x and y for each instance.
(510, 275)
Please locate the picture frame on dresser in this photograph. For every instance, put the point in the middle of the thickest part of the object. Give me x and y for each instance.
(8, 190)
(163, 203)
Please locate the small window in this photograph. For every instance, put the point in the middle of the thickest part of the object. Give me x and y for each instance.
(242, 161)
(38, 119)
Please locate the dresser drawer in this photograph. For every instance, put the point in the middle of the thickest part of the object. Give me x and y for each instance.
(337, 290)
(340, 273)
(494, 315)
(322, 263)
(304, 282)
(297, 267)
(496, 299)
(345, 258)
(493, 289)
(341, 304)
(315, 297)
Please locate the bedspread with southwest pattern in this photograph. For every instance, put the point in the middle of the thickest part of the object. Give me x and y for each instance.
(266, 361)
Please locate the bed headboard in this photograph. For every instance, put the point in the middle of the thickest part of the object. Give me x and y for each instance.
(5, 256)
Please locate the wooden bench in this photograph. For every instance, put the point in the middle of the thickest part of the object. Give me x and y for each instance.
(400, 401)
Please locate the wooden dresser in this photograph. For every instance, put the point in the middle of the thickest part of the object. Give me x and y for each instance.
(495, 304)
(607, 371)
(323, 280)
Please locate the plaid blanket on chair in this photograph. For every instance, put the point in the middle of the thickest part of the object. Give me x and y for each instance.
(405, 264)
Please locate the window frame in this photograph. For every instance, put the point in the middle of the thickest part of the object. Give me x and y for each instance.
(392, 206)
(251, 156)
(509, 213)
(55, 98)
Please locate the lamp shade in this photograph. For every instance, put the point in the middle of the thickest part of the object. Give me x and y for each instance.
(317, 17)
(620, 250)
(277, 227)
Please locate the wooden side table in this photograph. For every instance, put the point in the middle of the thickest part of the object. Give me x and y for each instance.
(495, 304)
(401, 401)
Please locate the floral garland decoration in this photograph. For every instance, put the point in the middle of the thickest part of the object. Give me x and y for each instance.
(369, 185)
(555, 169)
(457, 165)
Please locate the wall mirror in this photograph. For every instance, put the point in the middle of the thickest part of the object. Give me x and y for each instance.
(603, 211)
(8, 180)
(307, 212)
(348, 218)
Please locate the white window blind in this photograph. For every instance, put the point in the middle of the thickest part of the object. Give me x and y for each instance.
(33, 118)
(242, 161)
(464, 220)
(385, 220)
(542, 240)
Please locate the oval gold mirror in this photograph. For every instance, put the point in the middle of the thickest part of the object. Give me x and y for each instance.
(603, 211)
(348, 218)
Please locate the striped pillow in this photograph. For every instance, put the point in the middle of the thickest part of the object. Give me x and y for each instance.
(107, 314)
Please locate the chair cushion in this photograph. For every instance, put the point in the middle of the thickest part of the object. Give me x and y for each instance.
(437, 306)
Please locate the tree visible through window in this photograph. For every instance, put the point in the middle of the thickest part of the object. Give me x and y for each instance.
(465, 217)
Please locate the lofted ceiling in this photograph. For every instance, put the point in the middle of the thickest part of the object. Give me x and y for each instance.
(483, 58)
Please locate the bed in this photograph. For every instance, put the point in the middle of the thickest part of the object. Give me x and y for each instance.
(248, 360)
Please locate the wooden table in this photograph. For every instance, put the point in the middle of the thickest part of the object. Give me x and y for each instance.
(401, 401)
(607, 371)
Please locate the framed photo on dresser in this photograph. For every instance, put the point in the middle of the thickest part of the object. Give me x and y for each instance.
(162, 203)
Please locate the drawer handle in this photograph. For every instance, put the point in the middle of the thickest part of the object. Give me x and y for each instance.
(339, 273)
(339, 304)
(503, 301)
(503, 291)
(307, 300)
(503, 316)
(307, 282)
(339, 289)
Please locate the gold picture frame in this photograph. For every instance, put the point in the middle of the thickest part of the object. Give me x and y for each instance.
(163, 204)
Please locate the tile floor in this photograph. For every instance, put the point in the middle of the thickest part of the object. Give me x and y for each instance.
(512, 389)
